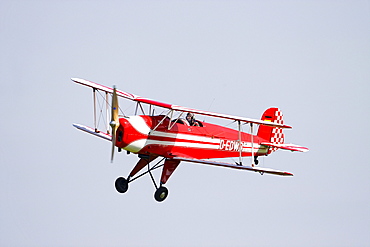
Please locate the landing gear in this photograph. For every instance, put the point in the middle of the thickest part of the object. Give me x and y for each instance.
(161, 194)
(256, 160)
(121, 185)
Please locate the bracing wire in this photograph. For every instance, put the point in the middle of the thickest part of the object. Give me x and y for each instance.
(102, 103)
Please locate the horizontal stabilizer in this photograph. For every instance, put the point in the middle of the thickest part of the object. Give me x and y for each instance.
(234, 166)
(93, 132)
(286, 146)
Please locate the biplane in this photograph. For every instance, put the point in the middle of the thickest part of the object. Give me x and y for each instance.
(172, 138)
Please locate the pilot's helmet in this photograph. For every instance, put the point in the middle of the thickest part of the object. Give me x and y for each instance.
(190, 115)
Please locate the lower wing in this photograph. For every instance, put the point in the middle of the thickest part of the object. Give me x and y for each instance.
(199, 161)
(92, 131)
(234, 166)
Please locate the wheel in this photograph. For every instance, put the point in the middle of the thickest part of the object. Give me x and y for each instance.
(160, 194)
(121, 185)
(256, 160)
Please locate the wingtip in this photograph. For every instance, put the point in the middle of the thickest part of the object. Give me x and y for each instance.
(78, 80)
(76, 125)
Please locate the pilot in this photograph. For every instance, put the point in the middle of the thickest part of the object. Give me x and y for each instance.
(191, 119)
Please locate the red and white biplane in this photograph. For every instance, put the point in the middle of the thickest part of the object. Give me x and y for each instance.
(176, 138)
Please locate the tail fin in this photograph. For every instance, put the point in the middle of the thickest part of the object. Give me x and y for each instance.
(272, 134)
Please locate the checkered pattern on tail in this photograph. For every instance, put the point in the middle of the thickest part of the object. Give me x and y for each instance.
(272, 134)
(277, 135)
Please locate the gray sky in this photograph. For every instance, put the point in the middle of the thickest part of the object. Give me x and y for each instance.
(310, 58)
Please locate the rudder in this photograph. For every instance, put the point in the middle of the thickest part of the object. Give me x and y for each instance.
(272, 134)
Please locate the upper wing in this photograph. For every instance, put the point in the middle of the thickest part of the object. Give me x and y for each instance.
(248, 168)
(175, 107)
(286, 146)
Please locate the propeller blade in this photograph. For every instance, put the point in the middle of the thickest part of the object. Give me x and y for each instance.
(112, 155)
(114, 123)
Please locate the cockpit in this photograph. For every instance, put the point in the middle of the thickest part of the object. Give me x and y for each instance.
(188, 121)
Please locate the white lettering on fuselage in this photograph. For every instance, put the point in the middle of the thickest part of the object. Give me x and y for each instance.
(234, 146)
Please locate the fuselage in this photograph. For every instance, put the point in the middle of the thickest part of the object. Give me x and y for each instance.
(158, 135)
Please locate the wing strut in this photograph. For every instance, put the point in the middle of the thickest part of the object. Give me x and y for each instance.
(101, 106)
(94, 96)
(240, 142)
(138, 104)
(252, 144)
(107, 110)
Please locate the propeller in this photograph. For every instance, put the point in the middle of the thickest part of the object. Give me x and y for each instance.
(114, 123)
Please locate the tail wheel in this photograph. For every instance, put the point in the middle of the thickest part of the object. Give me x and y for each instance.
(121, 185)
(161, 194)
